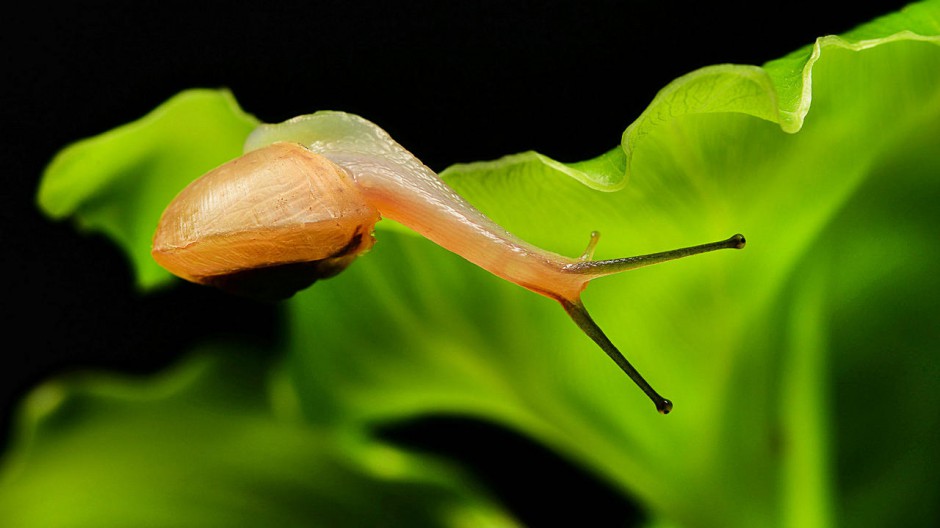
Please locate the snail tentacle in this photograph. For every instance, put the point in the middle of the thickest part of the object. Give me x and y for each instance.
(580, 316)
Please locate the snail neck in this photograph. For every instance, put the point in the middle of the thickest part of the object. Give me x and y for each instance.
(417, 198)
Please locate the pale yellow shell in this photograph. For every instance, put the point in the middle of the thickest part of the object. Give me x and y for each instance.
(275, 206)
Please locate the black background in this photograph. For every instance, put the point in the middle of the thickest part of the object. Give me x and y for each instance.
(452, 81)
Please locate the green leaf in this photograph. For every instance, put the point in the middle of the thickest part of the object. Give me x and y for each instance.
(751, 346)
(203, 446)
(120, 182)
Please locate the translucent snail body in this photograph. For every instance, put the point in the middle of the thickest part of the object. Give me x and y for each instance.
(301, 203)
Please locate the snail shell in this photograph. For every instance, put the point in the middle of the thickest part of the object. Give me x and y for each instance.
(266, 224)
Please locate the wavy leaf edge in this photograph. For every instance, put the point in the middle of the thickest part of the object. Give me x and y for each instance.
(790, 120)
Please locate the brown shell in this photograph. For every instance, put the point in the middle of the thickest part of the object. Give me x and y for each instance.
(276, 210)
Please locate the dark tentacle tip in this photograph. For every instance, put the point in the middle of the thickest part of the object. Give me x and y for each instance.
(664, 406)
(738, 241)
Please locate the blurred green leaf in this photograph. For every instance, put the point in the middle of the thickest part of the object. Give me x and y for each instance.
(203, 446)
(121, 181)
(803, 369)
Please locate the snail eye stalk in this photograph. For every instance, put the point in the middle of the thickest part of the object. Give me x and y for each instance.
(581, 318)
(599, 268)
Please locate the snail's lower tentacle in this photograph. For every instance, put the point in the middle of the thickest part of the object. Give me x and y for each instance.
(589, 250)
(579, 314)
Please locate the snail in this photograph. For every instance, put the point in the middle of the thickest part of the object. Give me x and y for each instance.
(301, 203)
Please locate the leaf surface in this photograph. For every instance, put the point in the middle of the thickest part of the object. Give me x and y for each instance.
(214, 443)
